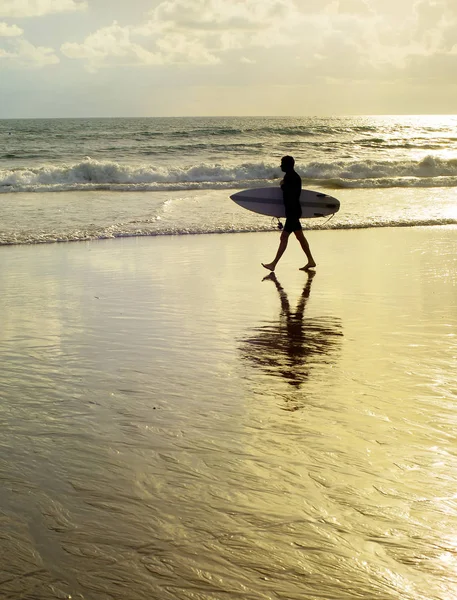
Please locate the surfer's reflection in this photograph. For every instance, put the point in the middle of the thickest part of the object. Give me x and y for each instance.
(296, 345)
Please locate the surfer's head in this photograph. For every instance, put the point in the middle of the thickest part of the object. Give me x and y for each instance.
(287, 163)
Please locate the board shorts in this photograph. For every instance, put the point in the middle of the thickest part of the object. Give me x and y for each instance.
(292, 224)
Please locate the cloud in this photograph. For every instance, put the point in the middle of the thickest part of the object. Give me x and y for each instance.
(436, 24)
(195, 32)
(21, 53)
(111, 45)
(38, 8)
(250, 23)
(220, 14)
(356, 7)
(9, 30)
(436, 68)
(16, 51)
(116, 46)
(341, 40)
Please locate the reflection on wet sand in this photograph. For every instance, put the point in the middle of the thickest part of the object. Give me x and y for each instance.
(294, 346)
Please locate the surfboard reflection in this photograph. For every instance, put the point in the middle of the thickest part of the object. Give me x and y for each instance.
(294, 346)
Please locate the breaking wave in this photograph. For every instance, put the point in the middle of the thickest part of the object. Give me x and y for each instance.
(93, 174)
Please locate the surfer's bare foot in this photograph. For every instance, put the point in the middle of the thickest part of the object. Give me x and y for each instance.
(307, 267)
(269, 266)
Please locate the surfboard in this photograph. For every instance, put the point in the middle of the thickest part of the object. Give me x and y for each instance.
(269, 201)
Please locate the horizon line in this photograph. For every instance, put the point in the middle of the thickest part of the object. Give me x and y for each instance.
(247, 116)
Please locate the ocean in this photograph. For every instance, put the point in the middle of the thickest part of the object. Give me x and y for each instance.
(85, 179)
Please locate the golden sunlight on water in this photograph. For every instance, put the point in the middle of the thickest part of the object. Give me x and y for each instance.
(197, 431)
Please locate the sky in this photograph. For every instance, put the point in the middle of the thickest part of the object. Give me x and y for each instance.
(127, 58)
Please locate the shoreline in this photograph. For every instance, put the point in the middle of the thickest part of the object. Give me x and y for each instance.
(185, 234)
(59, 217)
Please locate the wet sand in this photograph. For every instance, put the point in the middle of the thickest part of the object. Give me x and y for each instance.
(175, 426)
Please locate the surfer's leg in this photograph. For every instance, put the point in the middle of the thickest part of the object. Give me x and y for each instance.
(281, 249)
(306, 249)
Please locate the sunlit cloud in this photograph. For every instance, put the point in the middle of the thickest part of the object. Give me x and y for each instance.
(356, 7)
(338, 39)
(220, 14)
(191, 32)
(110, 45)
(22, 54)
(38, 8)
(437, 25)
(10, 30)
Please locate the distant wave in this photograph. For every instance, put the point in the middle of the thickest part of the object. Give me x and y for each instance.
(93, 174)
(372, 173)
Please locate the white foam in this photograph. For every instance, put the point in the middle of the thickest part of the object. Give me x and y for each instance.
(431, 170)
(93, 174)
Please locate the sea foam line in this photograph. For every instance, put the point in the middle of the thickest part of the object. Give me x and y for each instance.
(121, 231)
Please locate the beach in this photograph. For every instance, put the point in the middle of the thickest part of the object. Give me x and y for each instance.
(176, 426)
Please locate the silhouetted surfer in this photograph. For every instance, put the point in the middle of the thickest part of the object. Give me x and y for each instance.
(291, 189)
